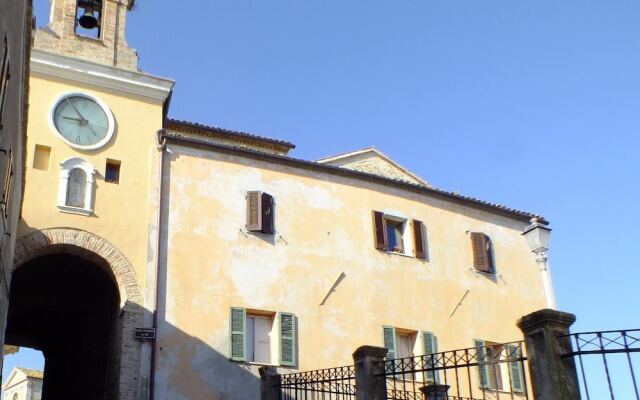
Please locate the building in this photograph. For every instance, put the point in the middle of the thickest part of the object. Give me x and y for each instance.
(15, 39)
(226, 249)
(23, 384)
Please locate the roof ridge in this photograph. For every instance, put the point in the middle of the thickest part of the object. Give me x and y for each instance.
(247, 135)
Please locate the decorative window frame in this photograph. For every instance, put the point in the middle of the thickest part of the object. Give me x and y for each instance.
(65, 168)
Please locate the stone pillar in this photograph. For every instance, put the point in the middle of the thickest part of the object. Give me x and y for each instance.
(269, 383)
(552, 377)
(369, 362)
(435, 391)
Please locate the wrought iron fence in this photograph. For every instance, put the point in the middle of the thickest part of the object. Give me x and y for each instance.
(323, 384)
(603, 358)
(496, 371)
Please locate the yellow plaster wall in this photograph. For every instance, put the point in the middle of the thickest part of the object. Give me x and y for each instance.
(324, 227)
(121, 211)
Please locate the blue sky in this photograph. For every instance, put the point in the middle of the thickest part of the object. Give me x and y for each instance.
(534, 105)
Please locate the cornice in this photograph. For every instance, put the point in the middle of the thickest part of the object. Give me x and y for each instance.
(102, 76)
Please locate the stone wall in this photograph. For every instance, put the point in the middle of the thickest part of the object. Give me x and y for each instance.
(110, 49)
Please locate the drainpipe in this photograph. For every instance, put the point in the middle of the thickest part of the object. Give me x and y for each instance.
(162, 147)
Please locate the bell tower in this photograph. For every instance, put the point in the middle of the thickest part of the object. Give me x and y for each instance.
(92, 30)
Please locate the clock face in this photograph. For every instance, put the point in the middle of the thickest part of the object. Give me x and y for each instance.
(83, 121)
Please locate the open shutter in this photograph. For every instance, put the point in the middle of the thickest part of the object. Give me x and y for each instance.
(287, 339)
(431, 347)
(483, 367)
(419, 241)
(515, 368)
(238, 329)
(380, 230)
(267, 214)
(254, 211)
(389, 335)
(482, 260)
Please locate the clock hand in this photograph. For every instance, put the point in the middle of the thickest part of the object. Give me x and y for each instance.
(84, 121)
(73, 119)
(91, 129)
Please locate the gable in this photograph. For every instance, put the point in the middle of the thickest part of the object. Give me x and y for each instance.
(373, 162)
(15, 377)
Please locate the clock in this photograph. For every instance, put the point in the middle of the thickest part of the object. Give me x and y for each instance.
(82, 121)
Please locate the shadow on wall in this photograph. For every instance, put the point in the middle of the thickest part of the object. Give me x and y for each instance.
(189, 368)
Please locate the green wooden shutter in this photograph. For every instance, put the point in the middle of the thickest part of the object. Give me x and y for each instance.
(238, 334)
(389, 336)
(483, 367)
(431, 347)
(515, 368)
(287, 339)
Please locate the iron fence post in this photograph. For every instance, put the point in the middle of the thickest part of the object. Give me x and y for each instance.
(269, 384)
(371, 383)
(552, 377)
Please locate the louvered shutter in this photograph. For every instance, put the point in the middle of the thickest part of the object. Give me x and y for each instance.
(238, 335)
(379, 230)
(254, 211)
(515, 368)
(287, 339)
(267, 214)
(419, 241)
(481, 245)
(389, 336)
(483, 359)
(431, 347)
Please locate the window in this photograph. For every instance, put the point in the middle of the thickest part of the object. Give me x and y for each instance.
(404, 343)
(76, 187)
(260, 213)
(391, 235)
(263, 337)
(112, 171)
(482, 252)
(496, 362)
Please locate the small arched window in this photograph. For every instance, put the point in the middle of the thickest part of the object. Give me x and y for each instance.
(76, 191)
(76, 188)
(15, 396)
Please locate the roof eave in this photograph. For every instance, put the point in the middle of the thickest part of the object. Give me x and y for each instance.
(464, 200)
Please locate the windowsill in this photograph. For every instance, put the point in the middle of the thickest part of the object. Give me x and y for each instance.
(493, 274)
(397, 253)
(74, 210)
(501, 391)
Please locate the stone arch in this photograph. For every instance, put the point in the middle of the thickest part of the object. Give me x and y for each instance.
(45, 241)
(124, 375)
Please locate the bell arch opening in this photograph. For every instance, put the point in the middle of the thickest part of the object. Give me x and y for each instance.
(74, 297)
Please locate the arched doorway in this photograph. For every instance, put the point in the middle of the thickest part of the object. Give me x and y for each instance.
(75, 297)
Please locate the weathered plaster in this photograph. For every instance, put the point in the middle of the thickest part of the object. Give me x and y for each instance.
(323, 227)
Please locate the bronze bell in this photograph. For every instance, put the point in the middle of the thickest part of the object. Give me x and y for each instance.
(88, 19)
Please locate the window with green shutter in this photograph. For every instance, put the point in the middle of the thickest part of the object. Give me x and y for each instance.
(515, 368)
(238, 329)
(287, 339)
(389, 337)
(431, 360)
(483, 364)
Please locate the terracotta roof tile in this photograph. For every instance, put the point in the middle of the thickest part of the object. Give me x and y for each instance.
(217, 129)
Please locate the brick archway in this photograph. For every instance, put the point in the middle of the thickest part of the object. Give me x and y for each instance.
(126, 371)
